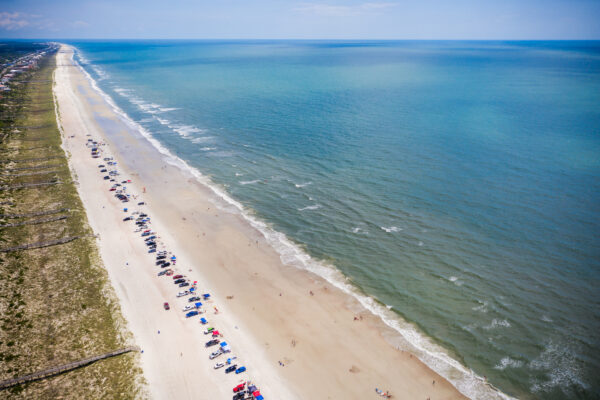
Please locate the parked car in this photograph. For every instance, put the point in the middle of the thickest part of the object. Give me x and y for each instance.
(215, 354)
(181, 294)
(187, 307)
(178, 281)
(219, 365)
(161, 273)
(195, 298)
(240, 396)
(103, 170)
(212, 342)
(106, 177)
(166, 306)
(178, 277)
(184, 284)
(191, 314)
(240, 370)
(239, 387)
(231, 369)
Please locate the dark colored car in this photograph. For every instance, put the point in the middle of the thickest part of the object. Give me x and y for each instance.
(160, 262)
(180, 280)
(231, 369)
(195, 298)
(161, 273)
(178, 276)
(184, 284)
(211, 343)
(127, 219)
(239, 396)
(103, 170)
(166, 306)
(101, 166)
(106, 177)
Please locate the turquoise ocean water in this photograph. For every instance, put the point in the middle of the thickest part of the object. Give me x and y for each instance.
(457, 183)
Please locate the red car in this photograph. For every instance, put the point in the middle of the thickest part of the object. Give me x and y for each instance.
(166, 306)
(178, 277)
(239, 387)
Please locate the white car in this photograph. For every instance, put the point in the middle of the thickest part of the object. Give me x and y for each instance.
(219, 365)
(181, 294)
(188, 307)
(215, 354)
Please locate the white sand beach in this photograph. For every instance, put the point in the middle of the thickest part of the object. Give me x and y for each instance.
(275, 313)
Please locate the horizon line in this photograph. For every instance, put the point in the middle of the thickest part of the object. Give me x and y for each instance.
(316, 39)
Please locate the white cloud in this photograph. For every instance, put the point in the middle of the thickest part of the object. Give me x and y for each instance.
(80, 24)
(12, 21)
(329, 10)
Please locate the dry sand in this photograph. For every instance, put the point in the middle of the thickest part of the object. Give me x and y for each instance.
(272, 316)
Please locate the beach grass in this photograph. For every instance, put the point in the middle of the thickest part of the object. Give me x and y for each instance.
(56, 303)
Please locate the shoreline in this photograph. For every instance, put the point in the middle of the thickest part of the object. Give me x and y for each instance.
(235, 244)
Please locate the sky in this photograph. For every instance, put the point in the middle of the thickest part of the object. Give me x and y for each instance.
(285, 19)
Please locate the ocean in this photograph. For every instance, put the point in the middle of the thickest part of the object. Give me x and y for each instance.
(453, 187)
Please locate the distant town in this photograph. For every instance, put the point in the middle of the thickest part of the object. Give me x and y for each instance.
(11, 68)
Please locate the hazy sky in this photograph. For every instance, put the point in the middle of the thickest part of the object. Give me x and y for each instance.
(246, 19)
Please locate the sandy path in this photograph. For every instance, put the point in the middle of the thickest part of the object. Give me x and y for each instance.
(272, 316)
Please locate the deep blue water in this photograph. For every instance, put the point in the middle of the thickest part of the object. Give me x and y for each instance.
(455, 182)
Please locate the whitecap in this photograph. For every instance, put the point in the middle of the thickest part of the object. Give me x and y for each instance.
(249, 182)
(508, 362)
(456, 281)
(481, 307)
(208, 148)
(202, 139)
(162, 120)
(238, 174)
(391, 229)
(497, 323)
(167, 109)
(313, 207)
(185, 130)
(301, 185)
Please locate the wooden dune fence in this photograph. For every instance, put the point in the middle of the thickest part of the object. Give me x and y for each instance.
(49, 372)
